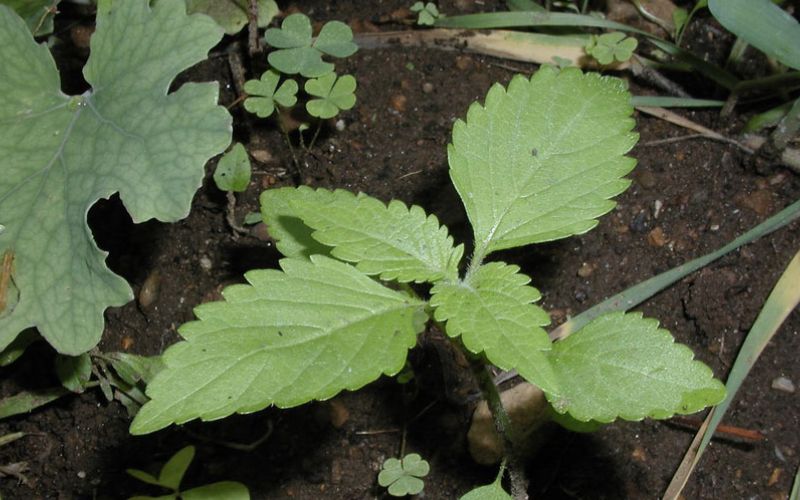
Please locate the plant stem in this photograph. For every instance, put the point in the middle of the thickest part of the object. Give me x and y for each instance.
(230, 215)
(295, 162)
(502, 422)
(316, 134)
(786, 130)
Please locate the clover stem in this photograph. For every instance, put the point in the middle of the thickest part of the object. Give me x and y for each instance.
(298, 174)
(502, 423)
(316, 134)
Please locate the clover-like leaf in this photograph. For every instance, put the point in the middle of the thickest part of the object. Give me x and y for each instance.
(299, 53)
(403, 477)
(264, 93)
(233, 170)
(395, 242)
(333, 94)
(288, 337)
(233, 15)
(60, 154)
(624, 366)
(493, 313)
(427, 13)
(540, 160)
(610, 47)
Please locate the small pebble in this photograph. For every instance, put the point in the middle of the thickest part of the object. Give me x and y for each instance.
(656, 237)
(463, 62)
(261, 155)
(585, 270)
(338, 413)
(149, 291)
(340, 125)
(775, 476)
(398, 102)
(639, 224)
(427, 87)
(205, 263)
(82, 474)
(783, 384)
(657, 206)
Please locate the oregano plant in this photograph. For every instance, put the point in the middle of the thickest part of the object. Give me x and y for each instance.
(538, 161)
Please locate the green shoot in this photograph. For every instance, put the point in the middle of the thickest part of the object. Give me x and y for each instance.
(404, 477)
(171, 476)
(264, 94)
(232, 175)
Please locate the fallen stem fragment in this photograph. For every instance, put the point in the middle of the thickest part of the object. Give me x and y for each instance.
(5, 277)
(727, 430)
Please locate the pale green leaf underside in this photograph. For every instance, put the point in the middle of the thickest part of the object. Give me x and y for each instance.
(624, 366)
(232, 15)
(492, 491)
(539, 161)
(394, 241)
(289, 337)
(59, 155)
(494, 314)
(292, 237)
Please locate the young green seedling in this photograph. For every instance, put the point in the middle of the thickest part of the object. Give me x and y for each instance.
(610, 47)
(404, 477)
(538, 161)
(427, 13)
(171, 476)
(232, 175)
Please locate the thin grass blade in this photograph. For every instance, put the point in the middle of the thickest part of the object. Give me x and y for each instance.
(781, 301)
(639, 293)
(674, 102)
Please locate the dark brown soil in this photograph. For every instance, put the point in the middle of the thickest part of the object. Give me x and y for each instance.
(394, 146)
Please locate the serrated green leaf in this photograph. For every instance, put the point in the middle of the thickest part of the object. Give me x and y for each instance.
(394, 241)
(624, 366)
(331, 97)
(539, 161)
(233, 170)
(336, 39)
(38, 14)
(293, 238)
(265, 93)
(232, 15)
(289, 337)
(173, 471)
(60, 154)
(74, 372)
(493, 313)
(223, 490)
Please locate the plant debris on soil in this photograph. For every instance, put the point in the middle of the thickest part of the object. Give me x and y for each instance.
(687, 198)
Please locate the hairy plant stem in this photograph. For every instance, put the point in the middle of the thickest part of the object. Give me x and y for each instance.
(502, 422)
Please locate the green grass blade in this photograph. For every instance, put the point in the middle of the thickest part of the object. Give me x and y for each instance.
(768, 118)
(530, 5)
(674, 102)
(781, 301)
(639, 293)
(27, 401)
(795, 494)
(763, 25)
(538, 19)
